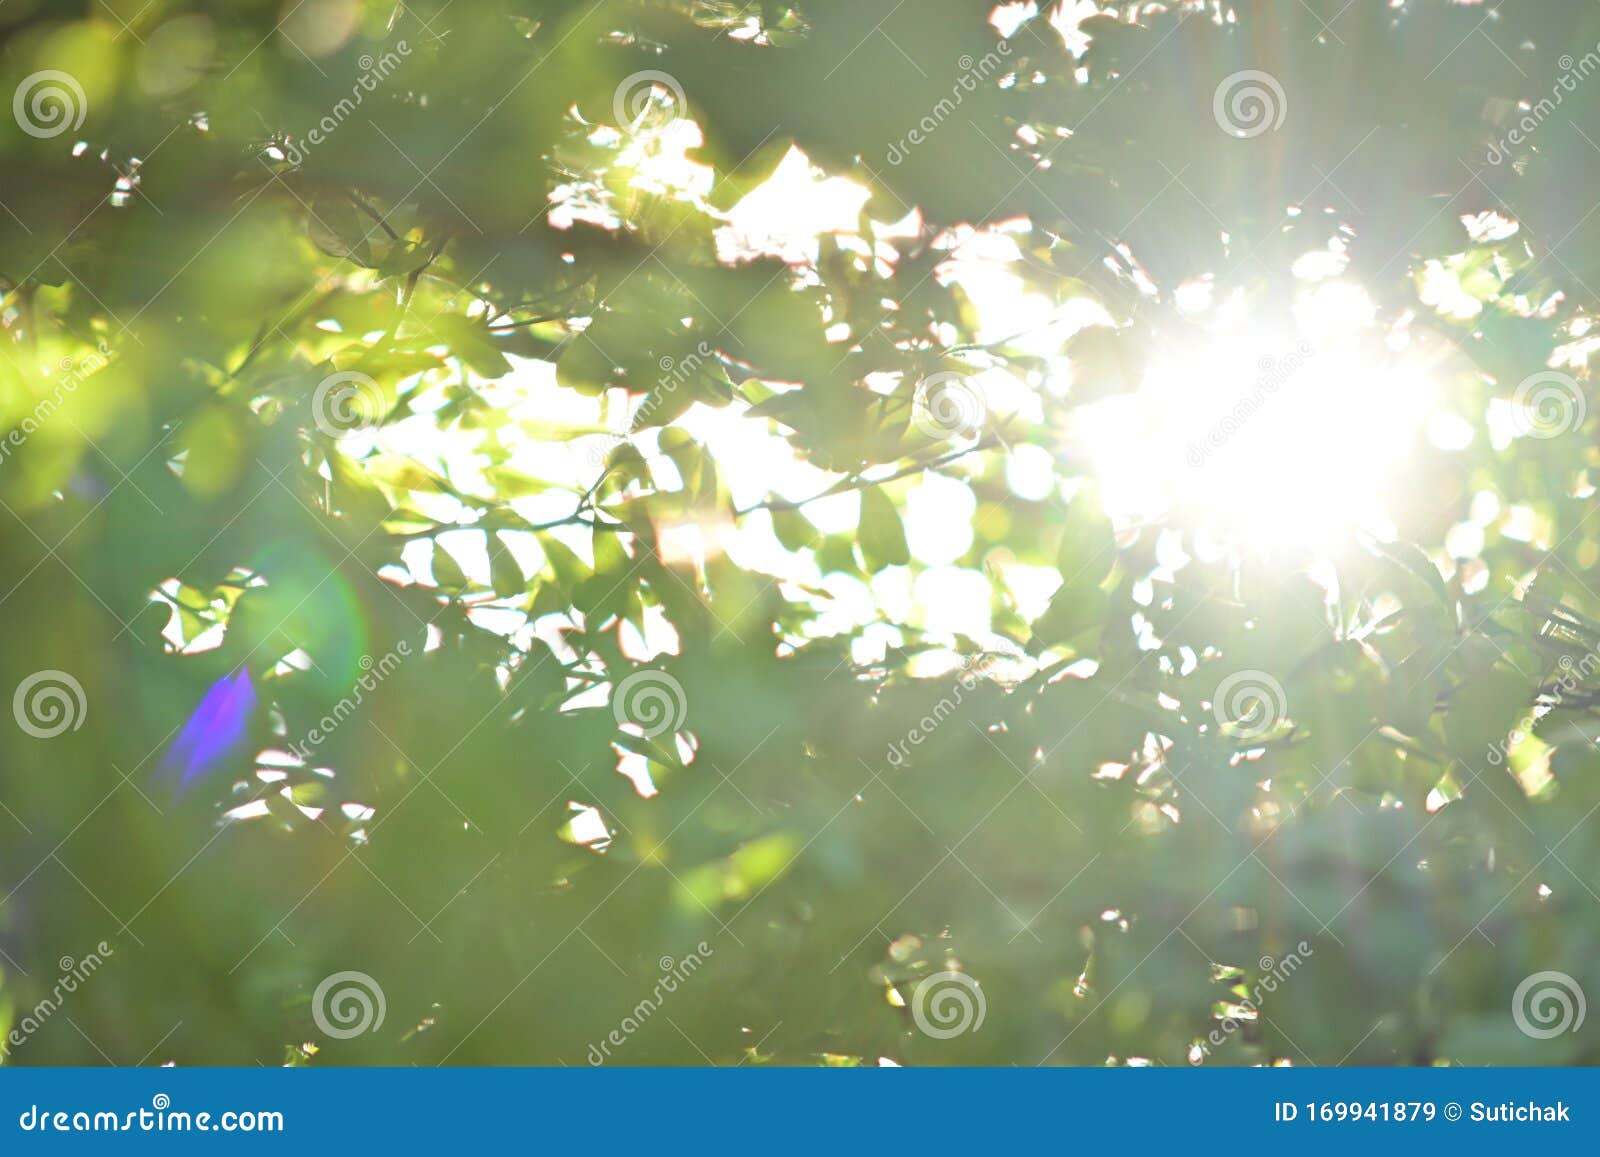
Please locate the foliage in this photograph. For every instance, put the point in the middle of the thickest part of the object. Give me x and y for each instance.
(478, 250)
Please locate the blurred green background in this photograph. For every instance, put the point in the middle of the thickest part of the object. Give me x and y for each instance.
(1037, 534)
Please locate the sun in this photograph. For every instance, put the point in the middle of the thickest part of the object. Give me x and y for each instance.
(1284, 436)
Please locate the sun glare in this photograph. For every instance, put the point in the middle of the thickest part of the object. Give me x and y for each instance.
(1289, 436)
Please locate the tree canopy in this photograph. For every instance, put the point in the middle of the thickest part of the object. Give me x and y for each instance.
(799, 533)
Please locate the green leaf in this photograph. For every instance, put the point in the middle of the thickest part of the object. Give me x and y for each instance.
(567, 568)
(883, 538)
(447, 573)
(469, 339)
(794, 530)
(504, 573)
(1088, 547)
(1105, 362)
(1075, 613)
